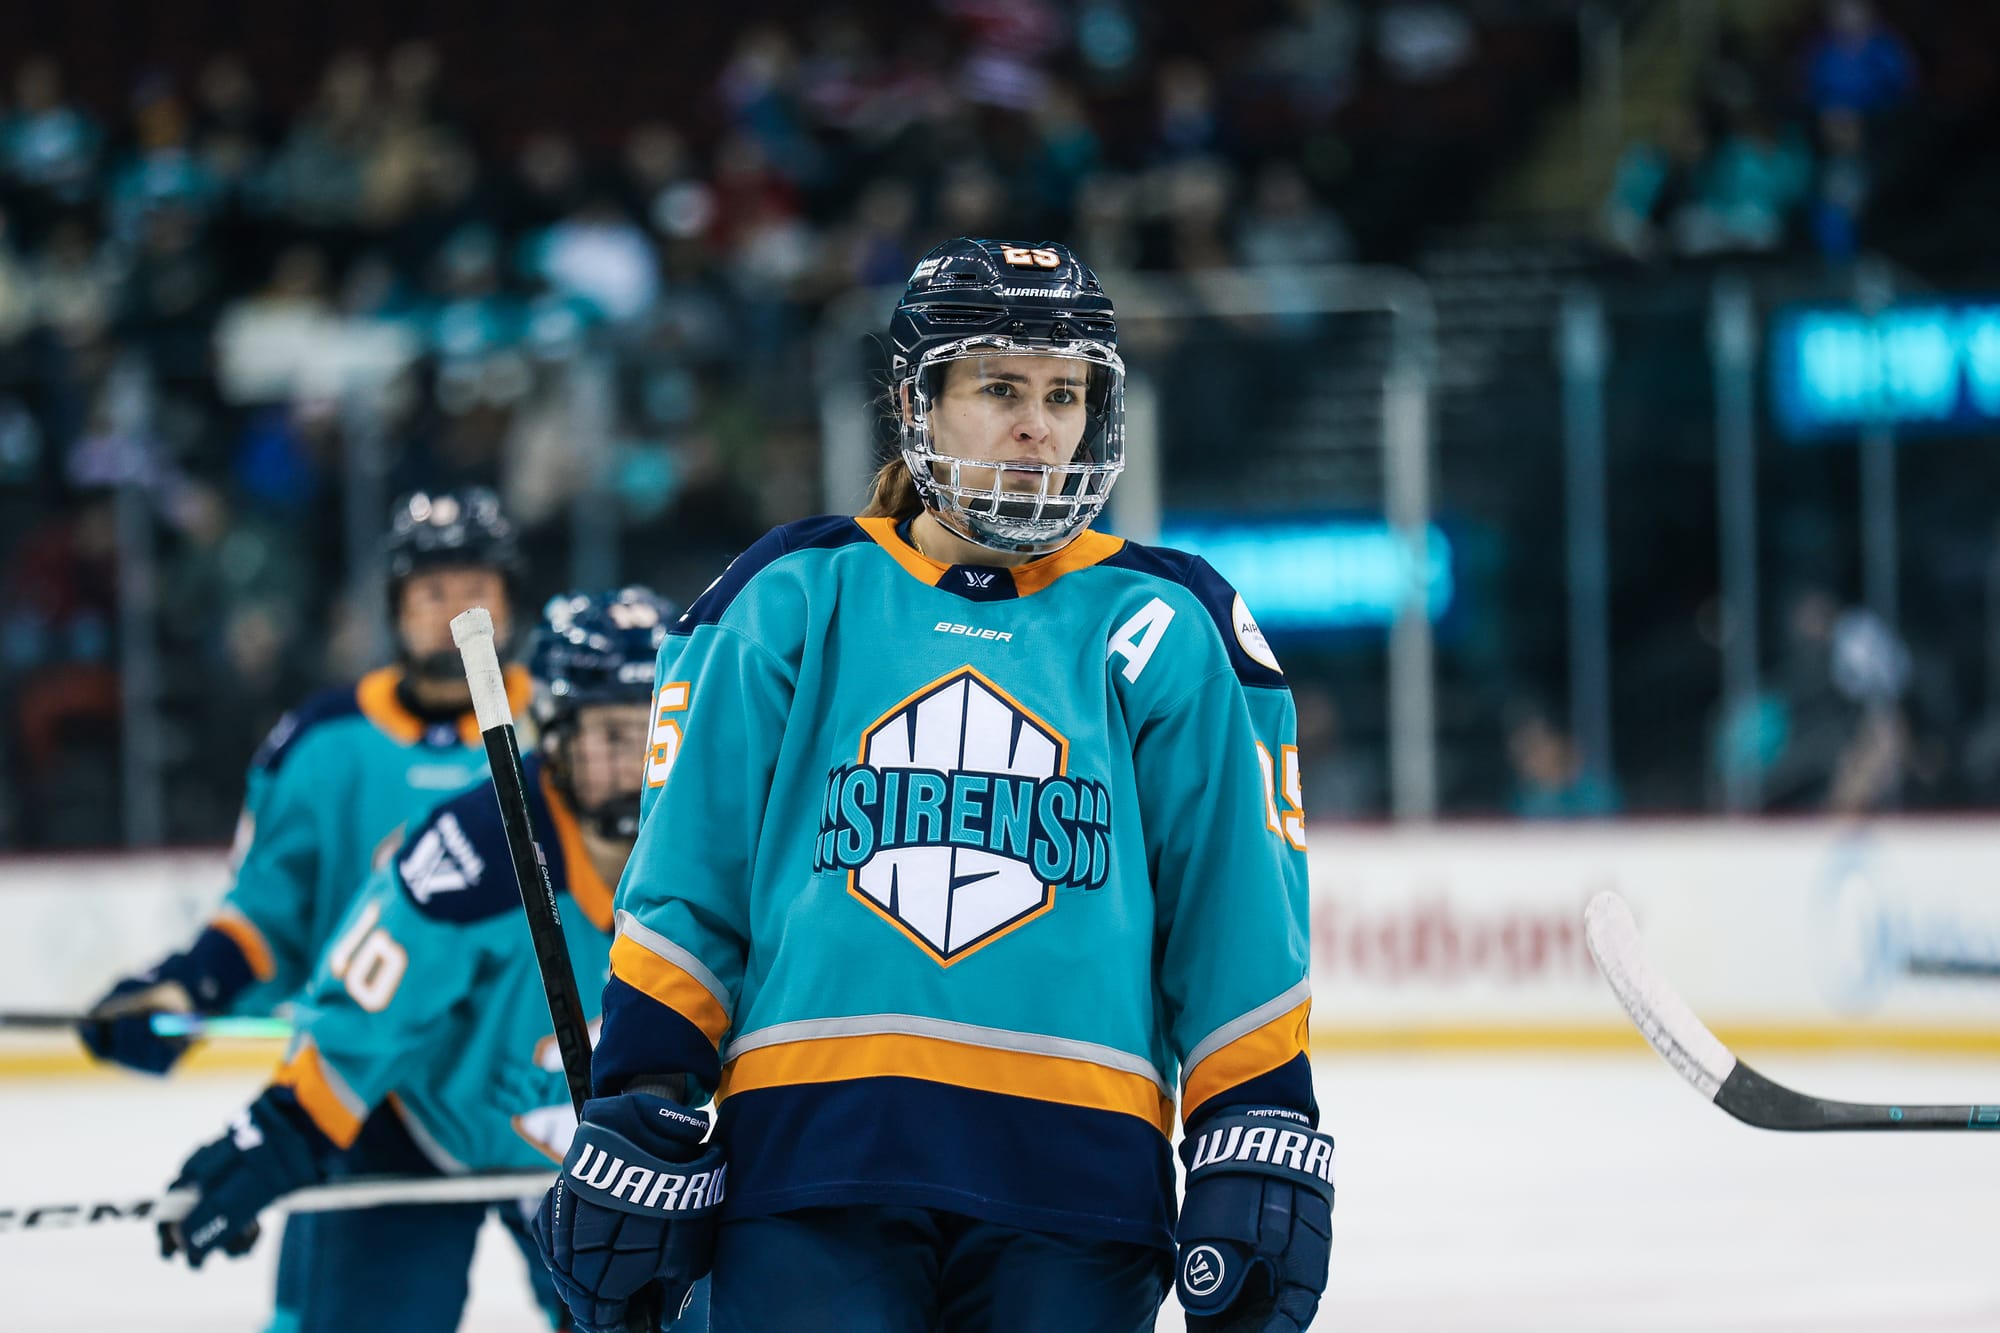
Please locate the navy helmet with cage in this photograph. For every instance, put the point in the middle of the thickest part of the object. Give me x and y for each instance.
(594, 648)
(448, 529)
(972, 298)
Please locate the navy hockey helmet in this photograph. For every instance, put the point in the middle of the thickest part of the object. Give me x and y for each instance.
(594, 648)
(445, 529)
(971, 299)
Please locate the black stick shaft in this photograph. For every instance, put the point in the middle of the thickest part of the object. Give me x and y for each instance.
(538, 900)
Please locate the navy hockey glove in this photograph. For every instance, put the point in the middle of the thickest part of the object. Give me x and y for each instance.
(119, 1027)
(202, 980)
(1256, 1230)
(635, 1204)
(271, 1148)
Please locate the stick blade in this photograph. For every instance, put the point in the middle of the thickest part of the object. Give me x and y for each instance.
(1656, 1009)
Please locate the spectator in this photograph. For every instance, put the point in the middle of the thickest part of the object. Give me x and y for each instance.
(1187, 124)
(1287, 226)
(1066, 153)
(1843, 184)
(163, 171)
(48, 144)
(655, 161)
(1312, 51)
(319, 177)
(1655, 182)
(600, 256)
(547, 183)
(1424, 41)
(1750, 191)
(74, 282)
(233, 136)
(1858, 64)
(1550, 778)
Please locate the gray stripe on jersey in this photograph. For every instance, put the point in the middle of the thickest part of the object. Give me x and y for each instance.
(427, 1142)
(654, 942)
(1249, 1022)
(966, 1034)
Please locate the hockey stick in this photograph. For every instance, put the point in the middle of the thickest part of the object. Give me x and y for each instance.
(1958, 969)
(193, 1026)
(1698, 1056)
(361, 1192)
(472, 631)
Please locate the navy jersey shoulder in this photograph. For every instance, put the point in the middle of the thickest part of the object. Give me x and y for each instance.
(821, 533)
(455, 865)
(1216, 596)
(319, 708)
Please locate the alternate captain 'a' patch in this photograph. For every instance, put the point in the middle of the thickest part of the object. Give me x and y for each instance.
(960, 820)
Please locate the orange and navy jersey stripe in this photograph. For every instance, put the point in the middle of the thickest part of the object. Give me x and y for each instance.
(1261, 1059)
(322, 1095)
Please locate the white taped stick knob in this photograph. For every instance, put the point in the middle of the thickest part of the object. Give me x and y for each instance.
(472, 631)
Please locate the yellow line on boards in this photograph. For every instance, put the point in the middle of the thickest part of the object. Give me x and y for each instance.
(55, 1061)
(1620, 1039)
(49, 1060)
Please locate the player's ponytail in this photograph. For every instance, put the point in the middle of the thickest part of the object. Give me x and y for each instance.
(894, 494)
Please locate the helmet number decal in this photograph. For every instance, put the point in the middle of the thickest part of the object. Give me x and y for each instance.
(1020, 256)
(673, 698)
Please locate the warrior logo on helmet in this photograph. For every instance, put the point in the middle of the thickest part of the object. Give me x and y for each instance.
(960, 822)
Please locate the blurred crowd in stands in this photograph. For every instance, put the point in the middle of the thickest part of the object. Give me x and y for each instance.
(1793, 142)
(218, 257)
(251, 254)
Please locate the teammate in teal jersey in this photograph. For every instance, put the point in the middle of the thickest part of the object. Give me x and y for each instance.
(328, 793)
(972, 841)
(423, 1043)
(336, 779)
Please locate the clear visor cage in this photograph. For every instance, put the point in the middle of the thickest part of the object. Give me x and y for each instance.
(1024, 508)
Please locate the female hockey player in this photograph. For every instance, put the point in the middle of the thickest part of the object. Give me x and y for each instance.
(422, 1043)
(339, 775)
(972, 837)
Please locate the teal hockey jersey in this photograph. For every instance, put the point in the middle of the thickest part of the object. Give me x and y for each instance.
(951, 881)
(429, 999)
(328, 795)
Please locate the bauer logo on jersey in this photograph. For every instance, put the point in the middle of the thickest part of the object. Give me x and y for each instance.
(959, 822)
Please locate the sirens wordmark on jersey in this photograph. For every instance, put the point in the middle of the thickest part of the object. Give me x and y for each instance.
(960, 820)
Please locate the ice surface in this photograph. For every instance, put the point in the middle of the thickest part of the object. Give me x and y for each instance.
(1558, 1195)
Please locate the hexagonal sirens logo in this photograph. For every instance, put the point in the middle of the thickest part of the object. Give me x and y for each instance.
(960, 821)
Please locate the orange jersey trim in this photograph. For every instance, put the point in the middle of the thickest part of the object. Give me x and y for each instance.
(250, 941)
(307, 1078)
(1089, 548)
(883, 530)
(1046, 1078)
(586, 886)
(1257, 1051)
(670, 984)
(375, 695)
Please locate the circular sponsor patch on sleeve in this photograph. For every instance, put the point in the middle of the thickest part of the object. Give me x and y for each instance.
(1250, 638)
